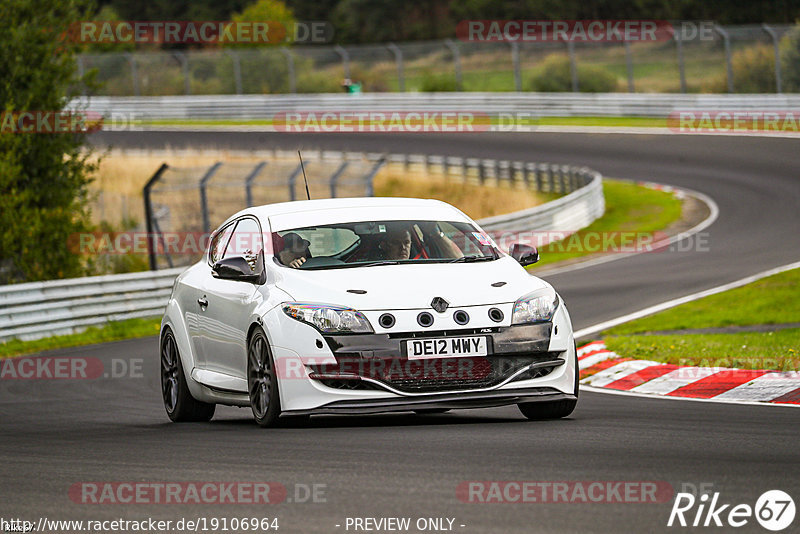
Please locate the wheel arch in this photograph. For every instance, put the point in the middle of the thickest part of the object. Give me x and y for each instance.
(173, 320)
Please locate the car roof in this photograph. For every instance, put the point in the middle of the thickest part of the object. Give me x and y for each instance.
(285, 215)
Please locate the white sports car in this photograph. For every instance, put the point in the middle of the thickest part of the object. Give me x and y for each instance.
(354, 306)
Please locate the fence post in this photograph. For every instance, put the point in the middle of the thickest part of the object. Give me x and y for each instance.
(681, 66)
(727, 42)
(526, 174)
(540, 178)
(79, 61)
(573, 66)
(290, 67)
(775, 44)
(515, 63)
(335, 177)
(629, 65)
(398, 57)
(345, 59)
(134, 74)
(453, 47)
(185, 69)
(292, 179)
(248, 182)
(204, 197)
(237, 69)
(368, 179)
(148, 214)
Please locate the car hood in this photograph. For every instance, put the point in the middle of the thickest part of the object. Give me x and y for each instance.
(411, 286)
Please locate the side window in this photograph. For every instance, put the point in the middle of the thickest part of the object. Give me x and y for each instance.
(247, 239)
(218, 243)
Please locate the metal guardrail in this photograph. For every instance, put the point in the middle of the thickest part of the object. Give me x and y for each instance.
(238, 107)
(40, 309)
(574, 211)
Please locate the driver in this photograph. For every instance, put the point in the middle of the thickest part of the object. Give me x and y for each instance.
(295, 250)
(396, 244)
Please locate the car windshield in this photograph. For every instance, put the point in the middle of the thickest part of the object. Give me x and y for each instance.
(360, 244)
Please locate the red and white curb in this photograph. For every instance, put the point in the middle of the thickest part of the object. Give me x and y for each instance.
(601, 368)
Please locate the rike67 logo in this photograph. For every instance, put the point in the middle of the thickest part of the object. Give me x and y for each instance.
(774, 510)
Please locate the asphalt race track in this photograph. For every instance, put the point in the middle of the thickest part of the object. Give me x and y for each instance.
(59, 433)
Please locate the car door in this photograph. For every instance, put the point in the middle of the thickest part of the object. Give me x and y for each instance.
(192, 293)
(230, 304)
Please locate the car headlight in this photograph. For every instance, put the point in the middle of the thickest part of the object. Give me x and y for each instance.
(535, 308)
(328, 319)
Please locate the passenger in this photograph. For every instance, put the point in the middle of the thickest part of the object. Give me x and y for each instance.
(295, 250)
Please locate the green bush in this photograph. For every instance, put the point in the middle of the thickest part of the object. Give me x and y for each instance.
(555, 76)
(314, 81)
(371, 80)
(753, 71)
(790, 60)
(433, 83)
(111, 263)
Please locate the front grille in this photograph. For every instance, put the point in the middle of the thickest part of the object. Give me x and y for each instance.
(349, 384)
(432, 375)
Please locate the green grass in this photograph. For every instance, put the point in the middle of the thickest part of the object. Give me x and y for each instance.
(607, 122)
(772, 300)
(625, 122)
(630, 208)
(778, 350)
(648, 122)
(113, 331)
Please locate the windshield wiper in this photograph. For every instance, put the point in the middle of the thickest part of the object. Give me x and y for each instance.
(471, 259)
(374, 263)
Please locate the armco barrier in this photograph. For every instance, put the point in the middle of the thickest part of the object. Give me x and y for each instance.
(239, 107)
(40, 309)
(571, 212)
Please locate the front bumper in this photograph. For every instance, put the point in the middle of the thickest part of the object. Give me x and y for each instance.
(380, 362)
(478, 399)
(303, 351)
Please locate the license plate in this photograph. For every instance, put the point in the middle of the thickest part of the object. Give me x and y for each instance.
(446, 347)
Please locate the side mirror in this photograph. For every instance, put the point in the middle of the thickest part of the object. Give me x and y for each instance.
(239, 269)
(524, 254)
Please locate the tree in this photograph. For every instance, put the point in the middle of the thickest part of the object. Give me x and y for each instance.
(274, 11)
(43, 176)
(790, 60)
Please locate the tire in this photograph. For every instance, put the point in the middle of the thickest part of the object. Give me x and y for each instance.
(262, 381)
(431, 411)
(536, 411)
(181, 407)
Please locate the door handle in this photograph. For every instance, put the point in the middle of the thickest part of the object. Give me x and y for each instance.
(203, 302)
